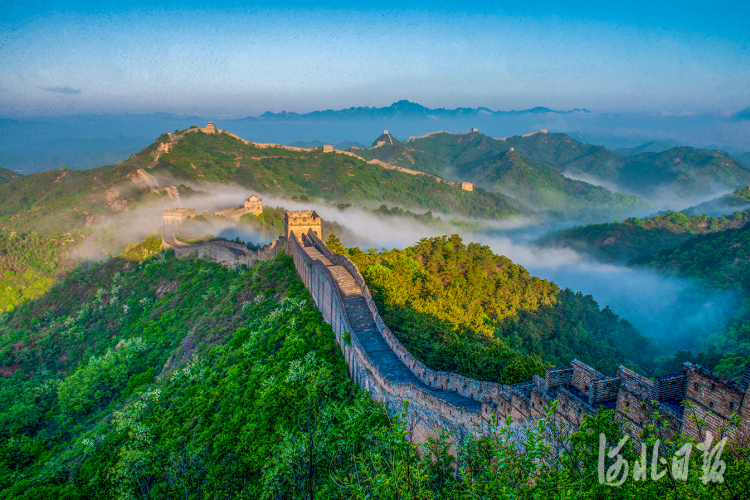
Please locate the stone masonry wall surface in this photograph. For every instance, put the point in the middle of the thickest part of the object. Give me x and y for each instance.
(380, 364)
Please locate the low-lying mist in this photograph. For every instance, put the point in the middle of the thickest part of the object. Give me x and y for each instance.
(675, 311)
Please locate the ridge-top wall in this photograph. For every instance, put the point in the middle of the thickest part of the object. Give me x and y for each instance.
(485, 392)
(427, 412)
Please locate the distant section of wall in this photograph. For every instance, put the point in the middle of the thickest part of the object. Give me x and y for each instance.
(414, 138)
(542, 131)
(227, 253)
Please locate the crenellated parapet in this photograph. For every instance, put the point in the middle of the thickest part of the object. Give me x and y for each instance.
(380, 364)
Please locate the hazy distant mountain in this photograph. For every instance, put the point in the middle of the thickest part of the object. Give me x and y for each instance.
(738, 200)
(649, 147)
(744, 158)
(403, 109)
(85, 141)
(675, 173)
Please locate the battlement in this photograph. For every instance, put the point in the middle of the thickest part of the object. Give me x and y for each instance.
(301, 222)
(327, 148)
(466, 405)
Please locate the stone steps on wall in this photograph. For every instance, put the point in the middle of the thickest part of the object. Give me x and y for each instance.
(362, 322)
(316, 255)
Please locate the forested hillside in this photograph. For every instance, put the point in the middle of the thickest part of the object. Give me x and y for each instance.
(491, 164)
(152, 377)
(736, 200)
(333, 177)
(64, 200)
(679, 171)
(29, 265)
(7, 175)
(619, 242)
(168, 378)
(720, 261)
(461, 308)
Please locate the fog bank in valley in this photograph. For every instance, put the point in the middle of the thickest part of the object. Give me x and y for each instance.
(674, 310)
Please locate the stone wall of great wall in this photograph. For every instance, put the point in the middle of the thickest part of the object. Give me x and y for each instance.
(227, 253)
(380, 364)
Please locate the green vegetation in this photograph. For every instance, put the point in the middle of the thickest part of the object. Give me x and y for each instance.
(168, 378)
(531, 179)
(720, 261)
(737, 200)
(635, 237)
(540, 187)
(329, 176)
(681, 171)
(7, 175)
(30, 264)
(461, 308)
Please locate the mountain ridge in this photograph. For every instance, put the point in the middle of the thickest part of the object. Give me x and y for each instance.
(403, 108)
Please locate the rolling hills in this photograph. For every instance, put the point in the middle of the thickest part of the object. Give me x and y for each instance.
(7, 175)
(620, 242)
(63, 200)
(676, 172)
(496, 165)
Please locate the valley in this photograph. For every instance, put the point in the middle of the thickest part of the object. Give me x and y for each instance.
(133, 361)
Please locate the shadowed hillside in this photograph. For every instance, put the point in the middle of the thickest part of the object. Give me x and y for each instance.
(7, 175)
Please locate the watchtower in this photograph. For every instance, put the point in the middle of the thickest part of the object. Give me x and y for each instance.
(467, 186)
(327, 148)
(254, 204)
(210, 128)
(299, 223)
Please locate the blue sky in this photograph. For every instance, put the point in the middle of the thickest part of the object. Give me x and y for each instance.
(243, 59)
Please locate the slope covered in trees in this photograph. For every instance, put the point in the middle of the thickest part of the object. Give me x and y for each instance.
(720, 261)
(491, 164)
(731, 202)
(172, 379)
(333, 177)
(462, 308)
(679, 171)
(619, 242)
(7, 175)
(66, 199)
(30, 264)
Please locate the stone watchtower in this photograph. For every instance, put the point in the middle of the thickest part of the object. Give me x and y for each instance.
(210, 128)
(254, 205)
(299, 223)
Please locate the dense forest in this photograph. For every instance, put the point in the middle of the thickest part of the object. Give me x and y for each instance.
(30, 264)
(7, 175)
(490, 163)
(719, 261)
(334, 177)
(461, 308)
(147, 376)
(622, 241)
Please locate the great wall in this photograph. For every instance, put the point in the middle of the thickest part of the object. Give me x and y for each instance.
(210, 128)
(380, 364)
